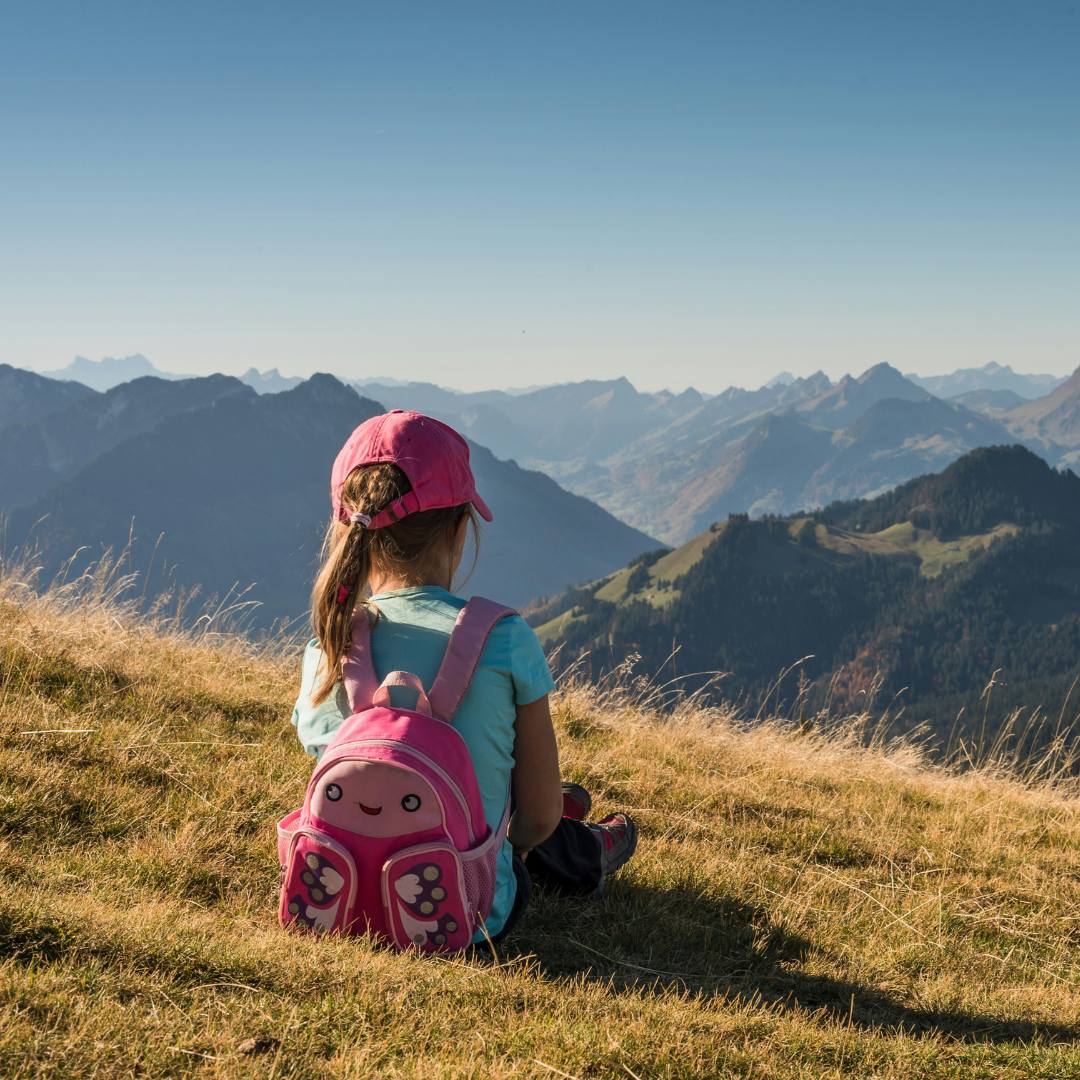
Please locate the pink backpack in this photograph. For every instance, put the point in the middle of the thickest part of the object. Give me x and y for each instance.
(391, 838)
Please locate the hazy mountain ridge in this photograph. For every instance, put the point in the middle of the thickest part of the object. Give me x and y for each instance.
(269, 382)
(240, 489)
(1054, 420)
(35, 455)
(849, 399)
(990, 376)
(992, 402)
(25, 395)
(894, 440)
(110, 371)
(669, 464)
(583, 421)
(799, 446)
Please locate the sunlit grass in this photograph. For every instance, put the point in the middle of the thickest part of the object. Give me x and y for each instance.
(802, 904)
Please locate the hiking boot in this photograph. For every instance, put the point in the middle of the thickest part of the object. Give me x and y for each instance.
(617, 835)
(576, 801)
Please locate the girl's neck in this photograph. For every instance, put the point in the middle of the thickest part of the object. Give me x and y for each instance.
(393, 582)
(438, 569)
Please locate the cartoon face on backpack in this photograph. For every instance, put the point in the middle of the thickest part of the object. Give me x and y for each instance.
(370, 798)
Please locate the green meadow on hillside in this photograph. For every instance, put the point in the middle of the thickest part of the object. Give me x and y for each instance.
(924, 595)
(806, 901)
(830, 546)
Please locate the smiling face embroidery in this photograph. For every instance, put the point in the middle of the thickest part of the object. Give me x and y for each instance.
(373, 799)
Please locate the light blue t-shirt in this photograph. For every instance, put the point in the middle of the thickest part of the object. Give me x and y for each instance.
(411, 635)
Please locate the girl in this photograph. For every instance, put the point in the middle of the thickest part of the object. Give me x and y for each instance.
(404, 497)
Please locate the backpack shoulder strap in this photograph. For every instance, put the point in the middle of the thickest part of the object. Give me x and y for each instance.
(473, 627)
(357, 670)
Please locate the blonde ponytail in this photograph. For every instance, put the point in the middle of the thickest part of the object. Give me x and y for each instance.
(349, 552)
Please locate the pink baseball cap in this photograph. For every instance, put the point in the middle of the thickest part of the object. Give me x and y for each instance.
(432, 455)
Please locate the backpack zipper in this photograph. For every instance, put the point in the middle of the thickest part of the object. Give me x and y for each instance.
(434, 766)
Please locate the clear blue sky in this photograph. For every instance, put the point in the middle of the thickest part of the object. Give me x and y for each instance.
(510, 193)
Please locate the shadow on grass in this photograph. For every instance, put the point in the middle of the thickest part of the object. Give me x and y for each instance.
(638, 939)
(677, 941)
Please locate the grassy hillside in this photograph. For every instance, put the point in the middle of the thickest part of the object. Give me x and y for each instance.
(802, 905)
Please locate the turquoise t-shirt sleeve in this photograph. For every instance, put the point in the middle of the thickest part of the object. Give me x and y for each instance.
(529, 669)
(315, 724)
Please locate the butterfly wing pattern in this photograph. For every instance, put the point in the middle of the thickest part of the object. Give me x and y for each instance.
(424, 893)
(320, 879)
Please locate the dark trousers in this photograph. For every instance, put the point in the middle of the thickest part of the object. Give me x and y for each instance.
(568, 862)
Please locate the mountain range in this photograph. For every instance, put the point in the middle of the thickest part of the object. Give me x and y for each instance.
(39, 452)
(236, 486)
(1052, 422)
(992, 377)
(670, 464)
(884, 536)
(110, 371)
(924, 594)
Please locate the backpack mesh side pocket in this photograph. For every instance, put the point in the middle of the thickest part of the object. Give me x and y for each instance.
(480, 868)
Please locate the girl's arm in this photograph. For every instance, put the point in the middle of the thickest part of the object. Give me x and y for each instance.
(537, 784)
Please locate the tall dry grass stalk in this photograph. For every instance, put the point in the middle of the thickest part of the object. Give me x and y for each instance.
(811, 897)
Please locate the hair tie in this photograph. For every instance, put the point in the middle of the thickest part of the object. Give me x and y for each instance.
(360, 519)
(342, 594)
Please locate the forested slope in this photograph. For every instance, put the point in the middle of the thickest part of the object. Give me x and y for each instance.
(922, 594)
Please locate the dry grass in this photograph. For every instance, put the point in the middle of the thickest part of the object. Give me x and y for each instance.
(800, 905)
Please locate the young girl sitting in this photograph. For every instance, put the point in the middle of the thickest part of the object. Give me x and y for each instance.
(403, 497)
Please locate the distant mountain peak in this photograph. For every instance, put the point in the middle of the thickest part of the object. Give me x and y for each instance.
(784, 378)
(839, 405)
(991, 376)
(323, 380)
(321, 393)
(819, 380)
(881, 372)
(110, 371)
(269, 382)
